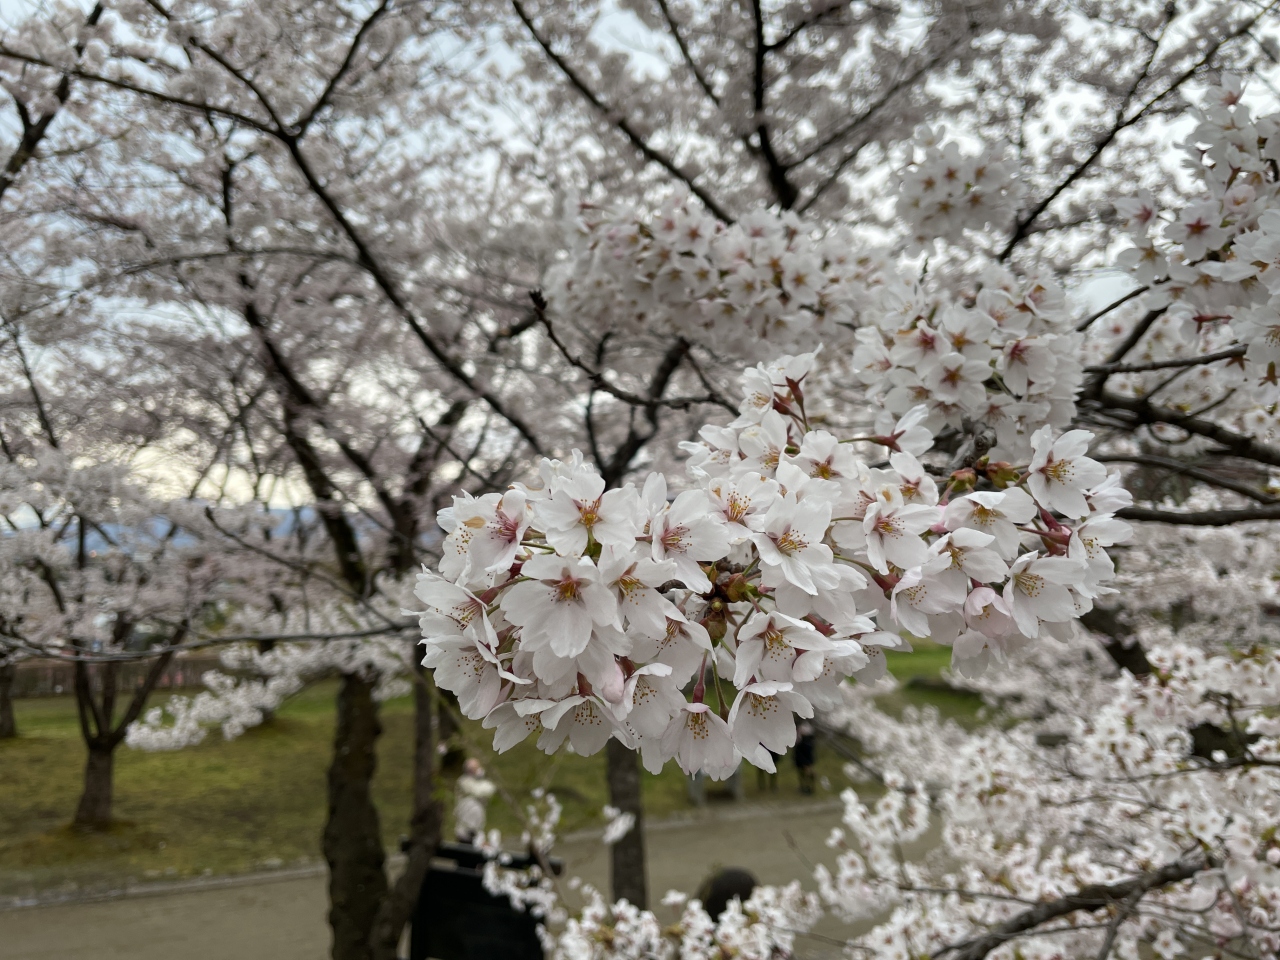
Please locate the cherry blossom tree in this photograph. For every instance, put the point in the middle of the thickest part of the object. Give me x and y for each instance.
(1130, 810)
(85, 574)
(315, 230)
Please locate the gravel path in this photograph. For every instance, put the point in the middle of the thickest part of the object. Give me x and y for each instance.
(282, 916)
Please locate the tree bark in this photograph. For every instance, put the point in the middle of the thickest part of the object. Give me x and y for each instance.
(8, 725)
(1127, 656)
(424, 825)
(352, 834)
(94, 810)
(628, 876)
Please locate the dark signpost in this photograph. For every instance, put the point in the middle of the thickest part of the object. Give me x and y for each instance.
(457, 919)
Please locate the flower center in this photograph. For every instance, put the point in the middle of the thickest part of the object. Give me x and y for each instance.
(508, 528)
(888, 527)
(775, 644)
(1030, 583)
(628, 584)
(589, 512)
(464, 613)
(568, 590)
(790, 542)
(1060, 471)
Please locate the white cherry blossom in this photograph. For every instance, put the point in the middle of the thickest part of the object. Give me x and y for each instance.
(560, 603)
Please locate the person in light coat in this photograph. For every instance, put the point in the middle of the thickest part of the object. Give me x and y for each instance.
(471, 802)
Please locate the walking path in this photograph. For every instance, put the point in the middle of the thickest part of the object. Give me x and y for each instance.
(281, 916)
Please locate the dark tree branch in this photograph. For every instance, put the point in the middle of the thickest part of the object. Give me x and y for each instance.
(1089, 898)
(1137, 333)
(620, 462)
(801, 26)
(649, 152)
(42, 414)
(1189, 470)
(597, 377)
(76, 73)
(143, 689)
(687, 53)
(840, 133)
(1231, 353)
(1088, 321)
(1122, 123)
(852, 127)
(783, 190)
(1201, 518)
(304, 123)
(1142, 411)
(276, 129)
(35, 129)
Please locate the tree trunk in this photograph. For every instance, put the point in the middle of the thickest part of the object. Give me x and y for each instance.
(352, 836)
(8, 725)
(627, 873)
(424, 824)
(1127, 654)
(94, 809)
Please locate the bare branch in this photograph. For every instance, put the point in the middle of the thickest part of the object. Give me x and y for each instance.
(1122, 123)
(1088, 321)
(1089, 898)
(304, 122)
(686, 53)
(34, 130)
(1190, 470)
(1143, 411)
(649, 152)
(159, 95)
(783, 190)
(1231, 353)
(1201, 518)
(620, 462)
(802, 25)
(597, 377)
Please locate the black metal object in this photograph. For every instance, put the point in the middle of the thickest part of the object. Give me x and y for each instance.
(457, 919)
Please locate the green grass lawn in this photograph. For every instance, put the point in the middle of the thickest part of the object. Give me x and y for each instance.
(259, 801)
(926, 662)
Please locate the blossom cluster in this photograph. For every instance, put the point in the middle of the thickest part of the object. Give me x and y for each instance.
(1212, 266)
(255, 679)
(764, 283)
(764, 927)
(696, 627)
(1005, 359)
(1176, 767)
(1001, 353)
(945, 192)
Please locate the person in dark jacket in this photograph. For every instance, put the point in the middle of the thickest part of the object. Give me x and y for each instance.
(723, 886)
(804, 755)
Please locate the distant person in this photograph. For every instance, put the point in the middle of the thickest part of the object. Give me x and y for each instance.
(471, 801)
(804, 754)
(723, 886)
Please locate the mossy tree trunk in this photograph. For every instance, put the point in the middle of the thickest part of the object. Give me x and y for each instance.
(352, 835)
(627, 874)
(8, 724)
(96, 691)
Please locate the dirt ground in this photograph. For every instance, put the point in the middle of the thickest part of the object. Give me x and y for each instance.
(284, 919)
